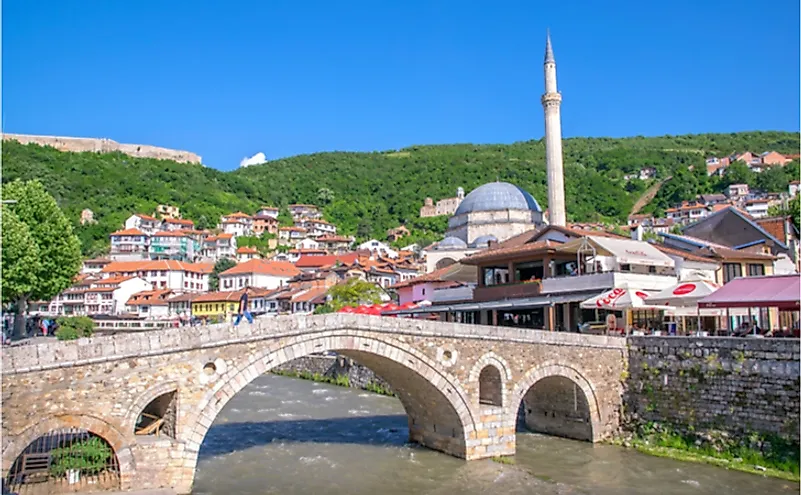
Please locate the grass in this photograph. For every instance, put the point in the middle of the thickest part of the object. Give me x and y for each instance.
(766, 455)
(338, 380)
(506, 459)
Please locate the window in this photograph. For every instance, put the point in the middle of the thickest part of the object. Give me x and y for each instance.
(651, 269)
(731, 271)
(528, 271)
(496, 276)
(625, 268)
(755, 270)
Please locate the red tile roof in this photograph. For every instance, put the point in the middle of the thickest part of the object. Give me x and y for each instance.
(179, 221)
(165, 233)
(333, 238)
(146, 217)
(310, 295)
(128, 232)
(150, 297)
(167, 265)
(247, 250)
(321, 261)
(264, 267)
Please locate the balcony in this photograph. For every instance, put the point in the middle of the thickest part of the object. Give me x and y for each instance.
(506, 291)
(608, 280)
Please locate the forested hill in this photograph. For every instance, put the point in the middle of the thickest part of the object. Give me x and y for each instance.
(367, 193)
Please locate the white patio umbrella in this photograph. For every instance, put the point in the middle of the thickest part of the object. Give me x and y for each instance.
(619, 299)
(684, 297)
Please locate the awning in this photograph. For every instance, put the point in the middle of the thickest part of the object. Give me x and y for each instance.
(684, 293)
(625, 251)
(620, 299)
(522, 303)
(777, 291)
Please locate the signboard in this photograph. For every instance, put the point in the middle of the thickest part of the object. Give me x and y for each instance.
(683, 289)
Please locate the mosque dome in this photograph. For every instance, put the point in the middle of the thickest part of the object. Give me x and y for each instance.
(451, 243)
(484, 240)
(497, 196)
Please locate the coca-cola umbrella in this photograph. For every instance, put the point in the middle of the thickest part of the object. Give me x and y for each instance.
(620, 299)
(347, 309)
(362, 310)
(374, 310)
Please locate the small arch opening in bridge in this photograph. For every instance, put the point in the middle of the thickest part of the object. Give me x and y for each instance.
(210, 368)
(158, 417)
(64, 461)
(490, 387)
(556, 405)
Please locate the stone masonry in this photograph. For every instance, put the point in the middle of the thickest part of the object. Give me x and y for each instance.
(736, 385)
(359, 376)
(103, 384)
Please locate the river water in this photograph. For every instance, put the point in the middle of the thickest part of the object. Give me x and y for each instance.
(295, 437)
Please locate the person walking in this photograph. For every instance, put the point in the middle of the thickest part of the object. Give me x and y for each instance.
(243, 308)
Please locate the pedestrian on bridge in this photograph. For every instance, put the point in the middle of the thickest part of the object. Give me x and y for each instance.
(243, 308)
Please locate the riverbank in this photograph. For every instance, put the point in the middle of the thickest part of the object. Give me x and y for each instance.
(763, 456)
(338, 380)
(337, 370)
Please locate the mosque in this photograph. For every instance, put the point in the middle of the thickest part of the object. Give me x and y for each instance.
(497, 211)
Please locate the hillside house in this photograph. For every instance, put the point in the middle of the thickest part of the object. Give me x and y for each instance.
(237, 224)
(264, 223)
(129, 245)
(757, 208)
(173, 246)
(87, 216)
(178, 276)
(175, 224)
(304, 211)
(244, 254)
(150, 304)
(378, 247)
(736, 191)
(258, 273)
(792, 189)
(291, 235)
(168, 211)
(145, 223)
(446, 206)
(268, 211)
(220, 246)
(334, 243)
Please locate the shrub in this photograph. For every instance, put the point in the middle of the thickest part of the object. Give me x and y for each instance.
(74, 328)
(89, 456)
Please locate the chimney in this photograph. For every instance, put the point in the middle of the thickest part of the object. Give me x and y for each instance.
(636, 232)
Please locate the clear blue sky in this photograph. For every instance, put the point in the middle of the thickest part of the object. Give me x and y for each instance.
(229, 79)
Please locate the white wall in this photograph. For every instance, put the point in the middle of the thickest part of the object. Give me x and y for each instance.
(127, 289)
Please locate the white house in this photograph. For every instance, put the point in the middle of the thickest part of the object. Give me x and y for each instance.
(793, 188)
(307, 243)
(757, 208)
(130, 245)
(164, 274)
(219, 246)
(268, 211)
(108, 296)
(261, 274)
(145, 223)
(150, 304)
(304, 211)
(246, 254)
(316, 227)
(376, 246)
(291, 234)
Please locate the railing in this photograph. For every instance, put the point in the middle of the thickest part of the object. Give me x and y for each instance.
(506, 291)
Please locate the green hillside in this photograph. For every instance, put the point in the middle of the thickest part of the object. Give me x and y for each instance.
(367, 193)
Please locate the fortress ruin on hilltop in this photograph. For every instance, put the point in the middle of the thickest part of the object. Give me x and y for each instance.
(102, 145)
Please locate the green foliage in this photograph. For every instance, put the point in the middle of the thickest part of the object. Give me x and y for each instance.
(365, 194)
(285, 218)
(21, 264)
(354, 292)
(776, 454)
(793, 209)
(59, 251)
(220, 266)
(323, 309)
(89, 456)
(72, 328)
(772, 180)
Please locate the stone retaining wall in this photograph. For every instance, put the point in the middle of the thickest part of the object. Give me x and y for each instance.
(359, 376)
(736, 385)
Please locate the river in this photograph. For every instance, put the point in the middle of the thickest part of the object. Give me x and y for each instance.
(295, 437)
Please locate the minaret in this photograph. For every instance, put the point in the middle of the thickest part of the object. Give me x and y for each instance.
(551, 101)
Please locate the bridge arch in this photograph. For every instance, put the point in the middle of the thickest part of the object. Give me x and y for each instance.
(145, 399)
(439, 412)
(551, 379)
(94, 425)
(491, 386)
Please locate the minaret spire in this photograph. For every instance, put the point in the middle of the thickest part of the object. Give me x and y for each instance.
(548, 48)
(551, 103)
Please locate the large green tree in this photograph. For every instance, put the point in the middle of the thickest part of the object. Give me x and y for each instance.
(21, 263)
(219, 267)
(354, 292)
(59, 250)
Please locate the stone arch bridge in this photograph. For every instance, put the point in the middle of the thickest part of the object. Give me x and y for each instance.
(461, 385)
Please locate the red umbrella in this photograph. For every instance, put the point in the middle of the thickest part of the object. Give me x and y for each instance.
(408, 305)
(391, 307)
(347, 309)
(362, 310)
(374, 310)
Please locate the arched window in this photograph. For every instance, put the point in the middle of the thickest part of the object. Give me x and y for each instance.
(490, 387)
(158, 417)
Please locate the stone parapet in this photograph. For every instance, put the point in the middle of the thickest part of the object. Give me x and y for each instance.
(55, 354)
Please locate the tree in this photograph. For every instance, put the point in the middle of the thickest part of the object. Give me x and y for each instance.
(793, 209)
(354, 292)
(325, 196)
(219, 267)
(738, 173)
(59, 250)
(772, 180)
(20, 257)
(285, 218)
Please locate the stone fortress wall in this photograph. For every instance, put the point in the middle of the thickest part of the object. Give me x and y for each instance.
(103, 145)
(734, 385)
